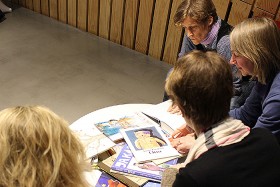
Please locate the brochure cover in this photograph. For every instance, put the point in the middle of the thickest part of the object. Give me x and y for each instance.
(112, 127)
(148, 143)
(106, 180)
(126, 163)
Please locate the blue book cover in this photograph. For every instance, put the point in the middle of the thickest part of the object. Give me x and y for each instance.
(106, 180)
(126, 163)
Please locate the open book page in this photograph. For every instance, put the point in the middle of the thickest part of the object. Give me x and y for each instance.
(148, 143)
(94, 141)
(126, 163)
(159, 111)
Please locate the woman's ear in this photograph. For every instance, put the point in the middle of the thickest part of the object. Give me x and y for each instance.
(210, 20)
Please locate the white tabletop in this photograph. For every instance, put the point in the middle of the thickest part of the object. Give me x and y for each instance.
(107, 113)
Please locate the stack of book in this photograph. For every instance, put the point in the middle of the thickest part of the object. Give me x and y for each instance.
(144, 152)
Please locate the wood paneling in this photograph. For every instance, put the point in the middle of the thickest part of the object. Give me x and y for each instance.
(104, 18)
(82, 15)
(130, 21)
(72, 12)
(249, 1)
(93, 16)
(21, 2)
(144, 25)
(278, 16)
(173, 38)
(29, 4)
(37, 5)
(117, 21)
(45, 7)
(62, 11)
(268, 5)
(221, 7)
(261, 13)
(159, 28)
(53, 9)
(239, 11)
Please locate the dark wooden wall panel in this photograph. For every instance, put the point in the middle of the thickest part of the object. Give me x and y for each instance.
(268, 5)
(104, 18)
(174, 37)
(62, 11)
(159, 28)
(53, 9)
(221, 7)
(239, 11)
(144, 25)
(117, 21)
(45, 7)
(261, 13)
(82, 15)
(29, 4)
(72, 12)
(93, 16)
(130, 21)
(37, 6)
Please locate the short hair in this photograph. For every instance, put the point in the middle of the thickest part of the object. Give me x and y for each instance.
(38, 149)
(258, 39)
(201, 85)
(199, 10)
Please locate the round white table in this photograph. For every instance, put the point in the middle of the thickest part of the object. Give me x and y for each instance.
(107, 113)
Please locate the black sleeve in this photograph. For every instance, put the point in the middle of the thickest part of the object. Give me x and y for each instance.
(184, 179)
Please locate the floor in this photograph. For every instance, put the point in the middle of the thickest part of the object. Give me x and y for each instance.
(46, 62)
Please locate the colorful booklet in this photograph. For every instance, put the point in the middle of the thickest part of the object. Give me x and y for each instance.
(106, 180)
(126, 163)
(148, 143)
(112, 126)
(131, 181)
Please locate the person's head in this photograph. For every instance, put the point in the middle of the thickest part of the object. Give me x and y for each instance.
(255, 45)
(201, 85)
(143, 133)
(196, 17)
(38, 149)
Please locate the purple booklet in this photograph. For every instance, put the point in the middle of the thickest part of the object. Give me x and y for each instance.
(107, 180)
(126, 163)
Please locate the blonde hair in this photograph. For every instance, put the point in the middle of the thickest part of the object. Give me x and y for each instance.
(258, 39)
(38, 149)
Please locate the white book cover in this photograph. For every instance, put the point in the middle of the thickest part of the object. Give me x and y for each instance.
(148, 143)
(159, 111)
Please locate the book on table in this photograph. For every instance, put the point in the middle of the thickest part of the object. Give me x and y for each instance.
(111, 126)
(107, 180)
(126, 163)
(148, 143)
(132, 181)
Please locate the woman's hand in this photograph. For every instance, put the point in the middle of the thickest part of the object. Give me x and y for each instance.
(183, 144)
(174, 109)
(182, 131)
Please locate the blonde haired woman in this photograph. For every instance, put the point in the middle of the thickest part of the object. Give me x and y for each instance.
(38, 149)
(255, 45)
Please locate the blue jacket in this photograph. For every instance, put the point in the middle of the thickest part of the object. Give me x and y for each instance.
(262, 107)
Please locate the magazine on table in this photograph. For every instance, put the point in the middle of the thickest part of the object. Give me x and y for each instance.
(112, 126)
(126, 163)
(107, 180)
(148, 143)
(94, 141)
